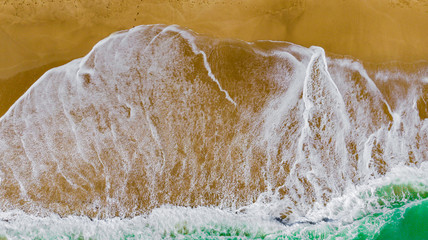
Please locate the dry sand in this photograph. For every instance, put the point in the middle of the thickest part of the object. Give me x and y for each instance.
(36, 35)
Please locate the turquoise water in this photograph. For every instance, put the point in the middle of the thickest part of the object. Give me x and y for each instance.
(393, 210)
(405, 222)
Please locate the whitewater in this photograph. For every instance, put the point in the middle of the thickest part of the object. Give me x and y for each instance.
(163, 133)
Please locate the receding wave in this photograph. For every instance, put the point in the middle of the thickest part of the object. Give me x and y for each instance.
(169, 129)
(391, 207)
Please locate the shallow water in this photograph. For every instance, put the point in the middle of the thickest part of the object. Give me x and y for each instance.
(160, 132)
(393, 207)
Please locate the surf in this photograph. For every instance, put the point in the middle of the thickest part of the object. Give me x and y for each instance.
(160, 122)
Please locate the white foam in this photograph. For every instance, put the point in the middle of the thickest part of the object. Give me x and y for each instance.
(191, 40)
(359, 201)
(163, 222)
(343, 214)
(136, 113)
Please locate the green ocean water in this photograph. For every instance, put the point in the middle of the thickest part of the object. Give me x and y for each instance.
(403, 218)
(393, 211)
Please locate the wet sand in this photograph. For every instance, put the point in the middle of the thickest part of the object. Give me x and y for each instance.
(36, 33)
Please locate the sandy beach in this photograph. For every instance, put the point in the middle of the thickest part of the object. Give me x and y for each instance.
(37, 35)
